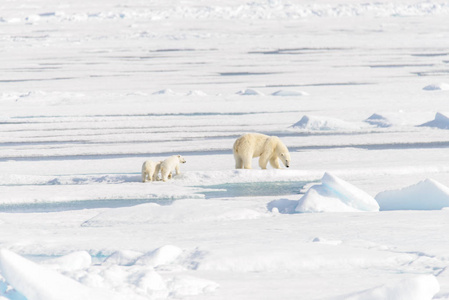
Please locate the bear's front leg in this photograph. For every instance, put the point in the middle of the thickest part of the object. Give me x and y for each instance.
(263, 161)
(274, 162)
(177, 170)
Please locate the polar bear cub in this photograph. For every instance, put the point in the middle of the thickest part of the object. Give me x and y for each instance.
(150, 170)
(170, 164)
(268, 148)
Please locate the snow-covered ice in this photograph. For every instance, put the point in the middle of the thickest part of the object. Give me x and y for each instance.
(90, 90)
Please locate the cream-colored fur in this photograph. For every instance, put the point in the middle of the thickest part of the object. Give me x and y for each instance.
(268, 148)
(170, 164)
(150, 170)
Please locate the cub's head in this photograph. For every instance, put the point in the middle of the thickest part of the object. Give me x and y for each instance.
(285, 158)
(181, 159)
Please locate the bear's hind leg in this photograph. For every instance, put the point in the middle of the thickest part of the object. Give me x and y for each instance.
(144, 175)
(246, 162)
(164, 174)
(238, 162)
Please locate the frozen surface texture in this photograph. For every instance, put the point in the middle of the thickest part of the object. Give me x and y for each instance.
(357, 91)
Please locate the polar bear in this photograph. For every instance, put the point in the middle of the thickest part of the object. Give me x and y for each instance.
(150, 169)
(269, 148)
(169, 164)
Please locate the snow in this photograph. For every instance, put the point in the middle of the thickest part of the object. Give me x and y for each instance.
(419, 288)
(335, 195)
(92, 89)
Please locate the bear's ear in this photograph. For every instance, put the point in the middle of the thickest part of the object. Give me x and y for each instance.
(179, 155)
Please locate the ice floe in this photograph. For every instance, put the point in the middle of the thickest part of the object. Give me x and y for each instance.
(336, 195)
(428, 194)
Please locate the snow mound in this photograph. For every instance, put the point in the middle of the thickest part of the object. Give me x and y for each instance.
(441, 121)
(324, 123)
(283, 93)
(196, 93)
(425, 195)
(161, 256)
(437, 87)
(422, 287)
(165, 92)
(249, 92)
(71, 262)
(39, 283)
(335, 195)
(379, 121)
(123, 258)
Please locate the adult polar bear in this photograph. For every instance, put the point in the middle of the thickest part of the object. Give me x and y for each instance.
(269, 148)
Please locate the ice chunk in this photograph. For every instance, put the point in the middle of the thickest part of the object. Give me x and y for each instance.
(165, 92)
(196, 93)
(39, 283)
(441, 121)
(425, 195)
(378, 120)
(249, 92)
(336, 195)
(161, 256)
(437, 87)
(422, 287)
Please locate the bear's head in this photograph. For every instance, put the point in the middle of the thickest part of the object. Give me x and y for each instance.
(181, 159)
(285, 158)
